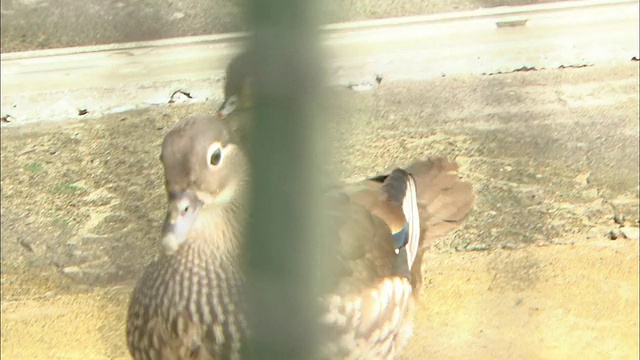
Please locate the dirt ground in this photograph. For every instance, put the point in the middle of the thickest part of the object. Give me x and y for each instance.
(534, 273)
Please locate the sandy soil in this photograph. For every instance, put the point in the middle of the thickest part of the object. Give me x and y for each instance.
(534, 273)
(539, 303)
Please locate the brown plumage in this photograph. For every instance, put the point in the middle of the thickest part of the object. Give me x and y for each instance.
(237, 86)
(188, 305)
(238, 100)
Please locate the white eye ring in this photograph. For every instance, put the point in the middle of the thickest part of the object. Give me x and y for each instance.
(214, 155)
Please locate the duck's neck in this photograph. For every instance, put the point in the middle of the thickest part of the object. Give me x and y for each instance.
(216, 236)
(218, 231)
(205, 276)
(210, 255)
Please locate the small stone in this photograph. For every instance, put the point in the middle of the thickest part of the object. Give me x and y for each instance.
(26, 244)
(583, 178)
(619, 219)
(511, 23)
(630, 232)
(69, 270)
(614, 234)
(177, 16)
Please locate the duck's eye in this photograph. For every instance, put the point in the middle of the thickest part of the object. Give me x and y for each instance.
(214, 155)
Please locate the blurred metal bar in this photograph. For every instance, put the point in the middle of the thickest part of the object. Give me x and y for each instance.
(280, 251)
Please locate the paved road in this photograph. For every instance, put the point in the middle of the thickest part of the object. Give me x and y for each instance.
(41, 24)
(56, 84)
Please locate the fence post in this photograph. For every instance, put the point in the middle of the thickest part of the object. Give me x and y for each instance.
(285, 230)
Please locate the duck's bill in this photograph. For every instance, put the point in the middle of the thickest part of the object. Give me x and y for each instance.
(181, 215)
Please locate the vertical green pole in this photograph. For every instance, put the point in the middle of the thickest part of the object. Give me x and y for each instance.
(281, 249)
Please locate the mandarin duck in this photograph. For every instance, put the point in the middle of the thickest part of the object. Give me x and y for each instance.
(188, 303)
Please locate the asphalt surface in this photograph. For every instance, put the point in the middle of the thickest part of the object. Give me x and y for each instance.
(41, 24)
(92, 81)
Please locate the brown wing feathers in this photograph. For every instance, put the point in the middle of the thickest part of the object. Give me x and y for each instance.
(443, 199)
